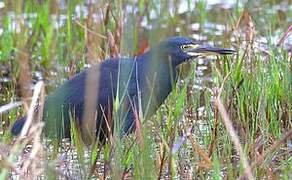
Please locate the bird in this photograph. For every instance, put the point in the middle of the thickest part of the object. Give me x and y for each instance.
(112, 94)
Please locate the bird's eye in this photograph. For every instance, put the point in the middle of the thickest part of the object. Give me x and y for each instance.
(184, 47)
(188, 46)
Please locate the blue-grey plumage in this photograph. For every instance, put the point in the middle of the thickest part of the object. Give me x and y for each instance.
(138, 83)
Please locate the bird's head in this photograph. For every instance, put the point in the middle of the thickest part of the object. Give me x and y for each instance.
(181, 49)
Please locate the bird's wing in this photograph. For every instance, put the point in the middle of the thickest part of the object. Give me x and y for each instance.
(101, 79)
(126, 93)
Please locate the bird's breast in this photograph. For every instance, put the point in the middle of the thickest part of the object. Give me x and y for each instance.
(155, 85)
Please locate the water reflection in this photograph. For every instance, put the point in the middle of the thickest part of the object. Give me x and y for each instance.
(190, 20)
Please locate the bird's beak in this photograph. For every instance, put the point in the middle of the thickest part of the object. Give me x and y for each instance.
(206, 50)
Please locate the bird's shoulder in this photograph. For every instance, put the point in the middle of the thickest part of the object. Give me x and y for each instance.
(116, 67)
(115, 62)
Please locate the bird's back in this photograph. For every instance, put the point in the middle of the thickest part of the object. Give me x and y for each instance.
(100, 84)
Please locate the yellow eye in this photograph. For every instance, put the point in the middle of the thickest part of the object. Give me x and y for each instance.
(184, 47)
(188, 46)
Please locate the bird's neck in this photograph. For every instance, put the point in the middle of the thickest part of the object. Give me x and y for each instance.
(156, 79)
(157, 71)
(156, 63)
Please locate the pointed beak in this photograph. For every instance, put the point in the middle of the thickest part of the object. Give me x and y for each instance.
(206, 50)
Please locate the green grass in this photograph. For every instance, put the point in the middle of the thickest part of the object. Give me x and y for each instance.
(255, 92)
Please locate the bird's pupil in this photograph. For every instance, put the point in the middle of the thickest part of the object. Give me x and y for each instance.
(185, 46)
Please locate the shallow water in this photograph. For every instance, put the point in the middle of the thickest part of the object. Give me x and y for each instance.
(212, 22)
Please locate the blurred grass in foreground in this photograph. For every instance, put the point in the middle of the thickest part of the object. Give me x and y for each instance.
(254, 86)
